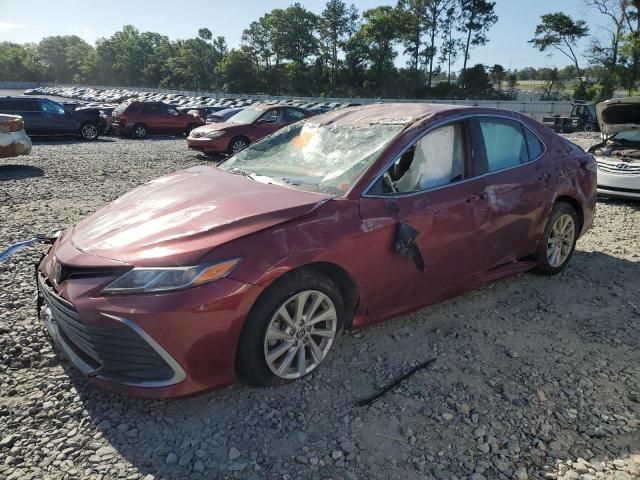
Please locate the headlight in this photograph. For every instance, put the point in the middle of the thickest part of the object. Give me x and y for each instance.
(215, 134)
(160, 279)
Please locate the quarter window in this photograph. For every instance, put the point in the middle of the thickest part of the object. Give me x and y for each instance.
(504, 142)
(534, 144)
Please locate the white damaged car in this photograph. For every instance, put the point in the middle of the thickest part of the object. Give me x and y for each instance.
(618, 155)
(13, 139)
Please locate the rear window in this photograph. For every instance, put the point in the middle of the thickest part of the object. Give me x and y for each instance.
(504, 142)
(535, 145)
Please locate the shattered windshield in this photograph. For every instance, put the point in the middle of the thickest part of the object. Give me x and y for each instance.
(319, 158)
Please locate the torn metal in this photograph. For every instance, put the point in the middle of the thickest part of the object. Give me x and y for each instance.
(405, 245)
(16, 247)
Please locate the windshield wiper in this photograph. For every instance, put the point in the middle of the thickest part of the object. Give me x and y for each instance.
(244, 173)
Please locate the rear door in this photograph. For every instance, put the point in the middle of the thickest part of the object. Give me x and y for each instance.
(154, 116)
(427, 192)
(518, 192)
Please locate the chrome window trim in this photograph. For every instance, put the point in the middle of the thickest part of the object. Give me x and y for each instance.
(444, 123)
(178, 373)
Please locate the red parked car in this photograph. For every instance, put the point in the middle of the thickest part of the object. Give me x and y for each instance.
(244, 128)
(139, 119)
(337, 222)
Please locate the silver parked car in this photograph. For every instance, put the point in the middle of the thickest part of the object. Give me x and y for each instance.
(13, 139)
(618, 155)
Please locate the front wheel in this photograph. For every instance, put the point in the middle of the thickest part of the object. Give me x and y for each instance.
(237, 145)
(139, 131)
(290, 329)
(558, 240)
(89, 131)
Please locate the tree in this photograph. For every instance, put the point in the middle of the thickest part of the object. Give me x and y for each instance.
(337, 21)
(450, 46)
(608, 56)
(561, 32)
(476, 82)
(497, 74)
(236, 71)
(436, 11)
(66, 58)
(19, 63)
(476, 18)
(412, 21)
(292, 32)
(513, 86)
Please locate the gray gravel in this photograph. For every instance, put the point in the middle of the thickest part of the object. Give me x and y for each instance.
(534, 377)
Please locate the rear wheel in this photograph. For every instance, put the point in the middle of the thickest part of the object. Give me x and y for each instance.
(290, 329)
(89, 131)
(238, 144)
(558, 240)
(139, 131)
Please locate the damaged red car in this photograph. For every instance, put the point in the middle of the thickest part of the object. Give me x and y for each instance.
(337, 222)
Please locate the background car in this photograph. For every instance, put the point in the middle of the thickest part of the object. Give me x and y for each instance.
(243, 128)
(139, 119)
(618, 155)
(223, 115)
(13, 139)
(42, 116)
(254, 267)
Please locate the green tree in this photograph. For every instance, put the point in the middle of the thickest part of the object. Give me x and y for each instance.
(412, 20)
(66, 58)
(437, 22)
(558, 31)
(497, 74)
(476, 82)
(237, 71)
(19, 63)
(450, 46)
(475, 20)
(336, 23)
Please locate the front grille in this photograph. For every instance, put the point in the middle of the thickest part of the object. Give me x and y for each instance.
(116, 352)
(628, 169)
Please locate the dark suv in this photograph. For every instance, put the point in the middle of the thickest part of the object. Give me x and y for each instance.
(139, 119)
(45, 117)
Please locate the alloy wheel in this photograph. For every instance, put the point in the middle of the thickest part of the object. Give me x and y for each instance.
(89, 132)
(238, 146)
(300, 334)
(560, 242)
(140, 131)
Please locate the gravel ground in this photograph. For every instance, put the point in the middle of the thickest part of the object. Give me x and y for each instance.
(534, 377)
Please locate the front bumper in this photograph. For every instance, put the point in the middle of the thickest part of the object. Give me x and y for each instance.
(620, 184)
(213, 145)
(14, 144)
(154, 346)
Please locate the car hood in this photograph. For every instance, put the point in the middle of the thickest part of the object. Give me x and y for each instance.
(619, 115)
(176, 219)
(210, 127)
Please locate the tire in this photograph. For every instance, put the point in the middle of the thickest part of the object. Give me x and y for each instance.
(237, 144)
(254, 347)
(139, 131)
(553, 259)
(89, 131)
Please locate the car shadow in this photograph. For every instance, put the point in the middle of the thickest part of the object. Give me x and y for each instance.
(626, 202)
(580, 321)
(19, 172)
(215, 158)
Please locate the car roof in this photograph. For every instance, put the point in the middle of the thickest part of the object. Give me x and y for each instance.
(388, 113)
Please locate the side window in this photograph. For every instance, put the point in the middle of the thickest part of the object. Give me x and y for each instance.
(51, 107)
(535, 146)
(437, 159)
(172, 111)
(270, 117)
(293, 115)
(504, 142)
(151, 109)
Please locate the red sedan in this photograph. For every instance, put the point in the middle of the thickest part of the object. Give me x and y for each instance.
(245, 127)
(337, 222)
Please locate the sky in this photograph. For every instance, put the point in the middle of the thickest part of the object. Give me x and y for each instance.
(30, 20)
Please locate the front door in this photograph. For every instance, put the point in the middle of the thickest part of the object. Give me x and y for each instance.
(428, 190)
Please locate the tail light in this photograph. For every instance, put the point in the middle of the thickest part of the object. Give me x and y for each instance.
(16, 125)
(123, 120)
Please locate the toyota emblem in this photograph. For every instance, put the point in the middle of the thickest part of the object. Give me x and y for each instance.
(622, 166)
